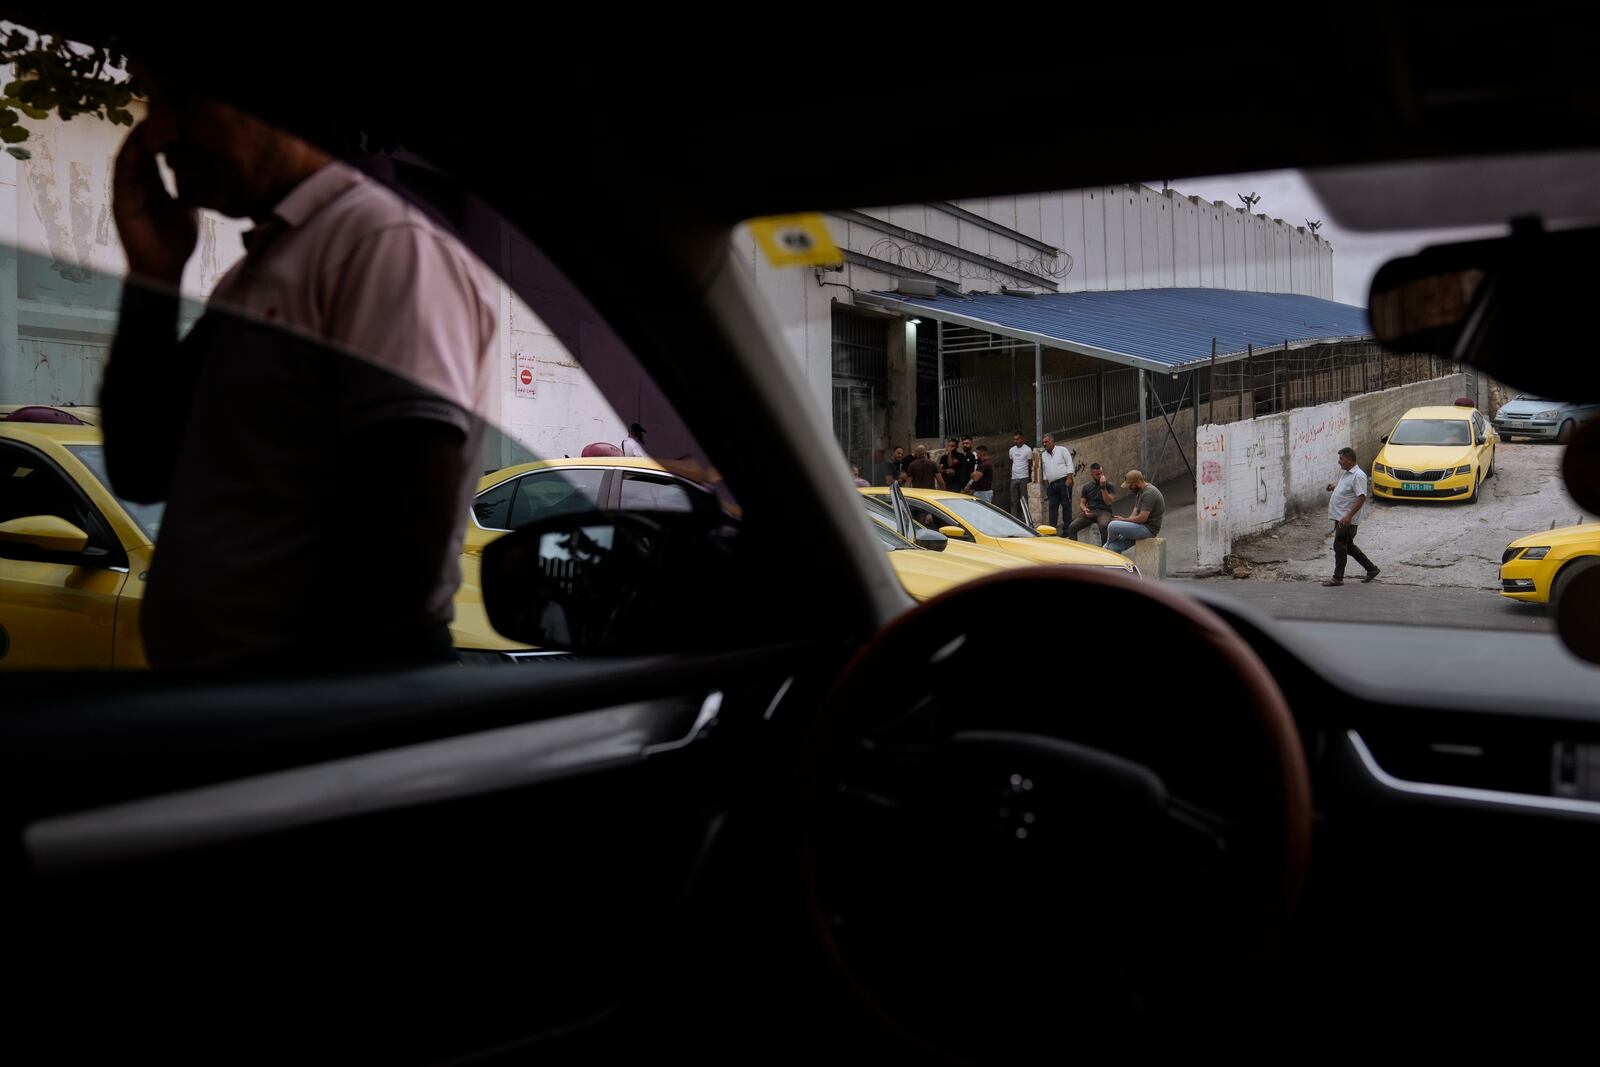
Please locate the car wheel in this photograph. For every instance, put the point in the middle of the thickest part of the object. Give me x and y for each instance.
(1564, 578)
(1473, 499)
(1565, 433)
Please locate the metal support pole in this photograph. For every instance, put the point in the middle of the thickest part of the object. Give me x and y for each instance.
(1144, 414)
(938, 338)
(1038, 396)
(1211, 390)
(1100, 387)
(1250, 376)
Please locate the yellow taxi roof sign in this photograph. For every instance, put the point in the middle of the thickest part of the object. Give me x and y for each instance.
(796, 240)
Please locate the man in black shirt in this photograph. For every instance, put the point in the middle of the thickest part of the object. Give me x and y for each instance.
(894, 469)
(1094, 505)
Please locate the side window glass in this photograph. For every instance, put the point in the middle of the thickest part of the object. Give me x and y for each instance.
(555, 492)
(492, 508)
(30, 485)
(646, 493)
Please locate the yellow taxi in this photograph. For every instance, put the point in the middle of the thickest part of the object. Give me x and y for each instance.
(1435, 453)
(72, 556)
(516, 495)
(1535, 569)
(965, 518)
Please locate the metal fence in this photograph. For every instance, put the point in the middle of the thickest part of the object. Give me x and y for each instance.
(1265, 383)
(1260, 384)
(1071, 403)
(985, 404)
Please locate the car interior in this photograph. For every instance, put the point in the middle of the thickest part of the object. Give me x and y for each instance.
(772, 811)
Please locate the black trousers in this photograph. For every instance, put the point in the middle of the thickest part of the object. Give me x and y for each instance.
(1344, 547)
(1059, 495)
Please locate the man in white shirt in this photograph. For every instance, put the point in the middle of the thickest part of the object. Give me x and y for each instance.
(633, 444)
(1021, 471)
(1349, 496)
(1055, 467)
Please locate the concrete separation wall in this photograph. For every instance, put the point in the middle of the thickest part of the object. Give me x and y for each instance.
(1256, 474)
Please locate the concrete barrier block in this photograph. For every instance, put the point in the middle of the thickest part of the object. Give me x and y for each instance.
(1150, 556)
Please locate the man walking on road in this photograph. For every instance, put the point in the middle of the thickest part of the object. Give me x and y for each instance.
(1349, 495)
(1056, 469)
(1021, 471)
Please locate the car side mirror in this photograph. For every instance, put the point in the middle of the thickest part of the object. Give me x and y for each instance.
(932, 540)
(953, 531)
(48, 532)
(1384, 438)
(1046, 531)
(610, 581)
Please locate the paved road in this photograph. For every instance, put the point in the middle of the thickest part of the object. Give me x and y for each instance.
(1440, 561)
(1381, 602)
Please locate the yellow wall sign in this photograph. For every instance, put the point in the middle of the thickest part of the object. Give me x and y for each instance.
(796, 240)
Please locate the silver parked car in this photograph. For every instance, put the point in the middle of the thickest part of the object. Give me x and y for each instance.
(1535, 416)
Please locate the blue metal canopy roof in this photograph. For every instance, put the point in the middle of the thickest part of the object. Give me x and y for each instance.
(1152, 328)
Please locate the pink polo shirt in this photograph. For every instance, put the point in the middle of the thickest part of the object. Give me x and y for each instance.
(350, 309)
(347, 261)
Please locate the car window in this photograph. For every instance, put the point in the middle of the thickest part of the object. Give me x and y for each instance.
(240, 410)
(31, 485)
(988, 519)
(492, 507)
(555, 492)
(887, 537)
(147, 516)
(1431, 432)
(645, 492)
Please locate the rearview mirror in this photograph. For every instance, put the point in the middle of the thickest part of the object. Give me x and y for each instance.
(609, 582)
(933, 540)
(47, 532)
(1046, 531)
(952, 531)
(1492, 303)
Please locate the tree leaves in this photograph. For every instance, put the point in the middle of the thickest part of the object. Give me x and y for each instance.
(54, 75)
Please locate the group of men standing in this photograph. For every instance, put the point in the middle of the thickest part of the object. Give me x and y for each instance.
(963, 468)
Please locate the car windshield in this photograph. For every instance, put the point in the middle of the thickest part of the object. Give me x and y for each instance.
(953, 324)
(1431, 432)
(1208, 333)
(985, 518)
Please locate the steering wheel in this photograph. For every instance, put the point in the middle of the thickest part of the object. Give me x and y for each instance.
(1047, 805)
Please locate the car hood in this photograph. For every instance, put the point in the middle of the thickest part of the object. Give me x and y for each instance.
(984, 555)
(927, 574)
(1586, 533)
(1051, 551)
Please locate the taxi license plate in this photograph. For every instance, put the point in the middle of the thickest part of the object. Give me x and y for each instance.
(1426, 486)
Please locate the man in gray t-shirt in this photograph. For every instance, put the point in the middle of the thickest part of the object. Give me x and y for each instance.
(1144, 521)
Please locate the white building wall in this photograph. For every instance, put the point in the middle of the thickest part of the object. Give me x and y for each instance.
(61, 271)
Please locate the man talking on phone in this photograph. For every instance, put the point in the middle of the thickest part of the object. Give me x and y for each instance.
(354, 334)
